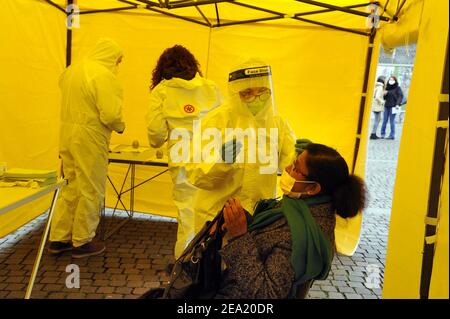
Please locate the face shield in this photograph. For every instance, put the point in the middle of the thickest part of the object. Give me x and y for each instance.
(251, 86)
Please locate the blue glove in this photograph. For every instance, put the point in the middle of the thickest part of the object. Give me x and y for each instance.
(300, 144)
(230, 150)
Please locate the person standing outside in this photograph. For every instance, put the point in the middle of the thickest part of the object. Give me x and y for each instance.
(393, 98)
(377, 105)
(91, 110)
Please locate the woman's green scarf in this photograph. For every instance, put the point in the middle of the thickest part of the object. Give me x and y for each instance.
(311, 250)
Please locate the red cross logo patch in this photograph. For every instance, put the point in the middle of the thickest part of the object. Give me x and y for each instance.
(189, 108)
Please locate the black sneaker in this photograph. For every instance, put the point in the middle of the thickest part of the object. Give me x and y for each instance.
(58, 247)
(374, 136)
(89, 249)
(390, 138)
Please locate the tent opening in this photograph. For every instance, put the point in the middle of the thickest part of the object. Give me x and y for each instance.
(382, 155)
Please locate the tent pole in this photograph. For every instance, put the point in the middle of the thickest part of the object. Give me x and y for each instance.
(203, 15)
(363, 97)
(246, 21)
(330, 10)
(437, 175)
(55, 5)
(331, 26)
(258, 8)
(68, 35)
(337, 8)
(177, 16)
(217, 14)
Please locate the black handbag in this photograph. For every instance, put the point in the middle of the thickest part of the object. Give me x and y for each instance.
(197, 272)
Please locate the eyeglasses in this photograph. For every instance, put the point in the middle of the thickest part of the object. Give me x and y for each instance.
(301, 174)
(248, 95)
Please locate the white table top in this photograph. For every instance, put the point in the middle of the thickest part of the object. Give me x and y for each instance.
(145, 156)
(13, 197)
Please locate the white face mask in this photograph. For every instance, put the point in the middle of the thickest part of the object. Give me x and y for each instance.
(287, 182)
(391, 82)
(256, 106)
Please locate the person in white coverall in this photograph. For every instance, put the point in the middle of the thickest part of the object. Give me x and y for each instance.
(247, 177)
(91, 109)
(179, 96)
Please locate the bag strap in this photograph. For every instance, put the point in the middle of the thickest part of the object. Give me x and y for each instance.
(219, 219)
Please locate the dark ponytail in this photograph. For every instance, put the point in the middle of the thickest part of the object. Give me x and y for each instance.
(327, 167)
(349, 197)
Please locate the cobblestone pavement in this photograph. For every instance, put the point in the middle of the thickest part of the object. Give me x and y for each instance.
(136, 256)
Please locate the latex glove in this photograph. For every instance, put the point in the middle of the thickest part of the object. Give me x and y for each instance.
(300, 144)
(230, 150)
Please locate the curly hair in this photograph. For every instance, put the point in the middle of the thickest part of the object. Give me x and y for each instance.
(175, 62)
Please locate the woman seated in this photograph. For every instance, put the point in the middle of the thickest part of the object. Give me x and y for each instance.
(290, 242)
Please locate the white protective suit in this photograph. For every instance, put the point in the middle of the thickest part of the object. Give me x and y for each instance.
(175, 104)
(246, 180)
(91, 109)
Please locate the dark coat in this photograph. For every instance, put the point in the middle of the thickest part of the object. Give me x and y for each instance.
(394, 95)
(259, 262)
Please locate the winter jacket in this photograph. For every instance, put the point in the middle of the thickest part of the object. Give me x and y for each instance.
(259, 262)
(378, 98)
(394, 95)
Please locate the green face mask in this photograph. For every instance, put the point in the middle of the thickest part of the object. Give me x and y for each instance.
(255, 106)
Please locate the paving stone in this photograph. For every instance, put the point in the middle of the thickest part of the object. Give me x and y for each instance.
(356, 279)
(77, 295)
(352, 296)
(335, 295)
(57, 295)
(328, 288)
(123, 290)
(370, 296)
(15, 287)
(346, 289)
(114, 296)
(363, 291)
(317, 295)
(94, 296)
(119, 283)
(339, 283)
(355, 284)
(16, 295)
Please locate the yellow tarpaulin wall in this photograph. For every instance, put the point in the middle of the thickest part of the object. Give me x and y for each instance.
(32, 56)
(412, 184)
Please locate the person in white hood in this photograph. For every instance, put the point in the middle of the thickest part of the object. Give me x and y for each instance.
(267, 142)
(179, 96)
(91, 109)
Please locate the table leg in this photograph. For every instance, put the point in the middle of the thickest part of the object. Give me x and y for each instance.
(133, 176)
(42, 245)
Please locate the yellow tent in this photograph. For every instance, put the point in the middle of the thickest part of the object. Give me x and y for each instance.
(323, 56)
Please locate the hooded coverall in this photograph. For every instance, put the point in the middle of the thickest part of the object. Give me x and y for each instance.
(246, 180)
(176, 104)
(91, 109)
